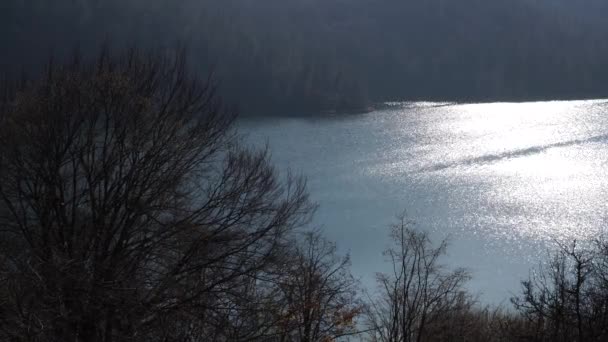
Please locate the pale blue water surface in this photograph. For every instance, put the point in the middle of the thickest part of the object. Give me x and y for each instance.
(502, 180)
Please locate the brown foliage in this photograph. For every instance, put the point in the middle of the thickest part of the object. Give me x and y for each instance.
(318, 295)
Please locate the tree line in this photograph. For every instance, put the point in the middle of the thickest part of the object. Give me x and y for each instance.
(310, 56)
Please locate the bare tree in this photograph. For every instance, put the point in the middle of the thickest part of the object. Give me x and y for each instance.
(127, 209)
(418, 292)
(317, 294)
(568, 299)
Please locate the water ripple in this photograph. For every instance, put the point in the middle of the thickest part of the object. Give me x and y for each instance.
(491, 158)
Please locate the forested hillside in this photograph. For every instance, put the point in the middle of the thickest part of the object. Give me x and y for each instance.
(309, 56)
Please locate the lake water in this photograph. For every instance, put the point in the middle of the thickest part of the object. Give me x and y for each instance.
(503, 180)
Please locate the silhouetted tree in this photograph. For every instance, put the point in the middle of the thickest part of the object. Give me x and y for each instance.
(418, 293)
(567, 300)
(317, 293)
(128, 211)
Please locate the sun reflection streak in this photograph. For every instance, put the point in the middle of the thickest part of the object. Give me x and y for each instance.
(529, 171)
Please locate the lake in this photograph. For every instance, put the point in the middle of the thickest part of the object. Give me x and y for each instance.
(504, 181)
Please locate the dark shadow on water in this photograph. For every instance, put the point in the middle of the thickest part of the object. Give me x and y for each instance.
(414, 105)
(491, 158)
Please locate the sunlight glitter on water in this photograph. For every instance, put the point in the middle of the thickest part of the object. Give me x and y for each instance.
(546, 158)
(504, 180)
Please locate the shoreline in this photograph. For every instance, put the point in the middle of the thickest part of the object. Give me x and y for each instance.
(393, 104)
